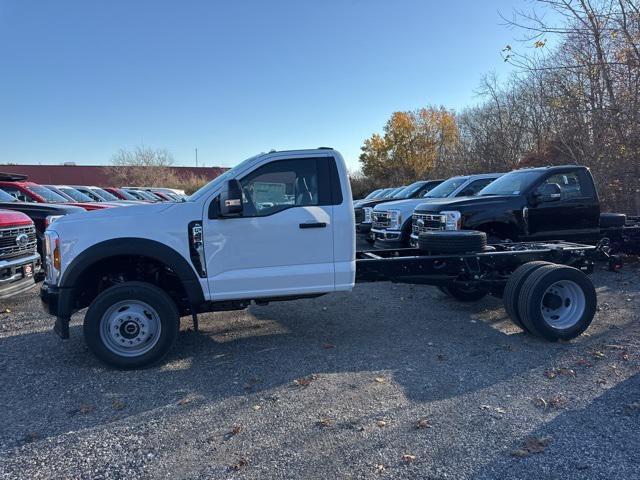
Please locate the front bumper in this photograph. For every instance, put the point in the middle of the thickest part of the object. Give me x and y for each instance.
(390, 238)
(18, 275)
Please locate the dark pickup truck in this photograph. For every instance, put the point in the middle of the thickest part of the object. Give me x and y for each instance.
(42, 214)
(546, 203)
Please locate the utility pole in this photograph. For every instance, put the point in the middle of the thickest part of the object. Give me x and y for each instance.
(196, 157)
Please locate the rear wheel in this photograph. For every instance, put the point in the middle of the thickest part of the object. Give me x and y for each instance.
(513, 288)
(131, 325)
(557, 302)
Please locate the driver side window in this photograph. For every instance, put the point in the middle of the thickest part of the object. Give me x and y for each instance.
(280, 185)
(569, 184)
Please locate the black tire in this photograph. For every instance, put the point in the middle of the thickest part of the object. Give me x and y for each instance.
(459, 241)
(157, 299)
(534, 295)
(612, 220)
(464, 294)
(513, 288)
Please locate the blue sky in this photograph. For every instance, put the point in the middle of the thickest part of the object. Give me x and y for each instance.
(81, 79)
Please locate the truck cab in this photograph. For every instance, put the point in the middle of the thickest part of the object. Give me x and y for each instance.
(545, 203)
(277, 226)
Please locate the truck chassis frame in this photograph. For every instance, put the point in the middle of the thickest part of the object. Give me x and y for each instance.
(489, 269)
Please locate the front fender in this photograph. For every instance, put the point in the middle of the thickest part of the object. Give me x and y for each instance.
(135, 247)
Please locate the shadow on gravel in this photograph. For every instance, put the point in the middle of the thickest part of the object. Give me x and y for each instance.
(430, 346)
(611, 421)
(433, 348)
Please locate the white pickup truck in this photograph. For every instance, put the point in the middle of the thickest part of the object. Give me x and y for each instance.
(278, 226)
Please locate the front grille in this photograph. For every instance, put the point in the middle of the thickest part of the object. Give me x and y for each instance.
(359, 215)
(9, 248)
(422, 222)
(381, 219)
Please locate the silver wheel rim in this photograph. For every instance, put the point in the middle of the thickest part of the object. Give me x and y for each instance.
(130, 328)
(563, 304)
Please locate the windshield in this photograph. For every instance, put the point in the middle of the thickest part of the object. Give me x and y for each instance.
(373, 194)
(145, 195)
(231, 173)
(48, 195)
(126, 194)
(5, 197)
(391, 192)
(106, 195)
(446, 188)
(75, 194)
(513, 183)
(409, 192)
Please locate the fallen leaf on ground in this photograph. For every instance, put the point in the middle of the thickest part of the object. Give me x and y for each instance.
(240, 464)
(378, 467)
(257, 407)
(532, 445)
(118, 404)
(408, 458)
(85, 408)
(423, 423)
(185, 400)
(624, 355)
(380, 379)
(536, 444)
(540, 402)
(597, 354)
(583, 362)
(323, 423)
(381, 423)
(328, 346)
(304, 381)
(233, 432)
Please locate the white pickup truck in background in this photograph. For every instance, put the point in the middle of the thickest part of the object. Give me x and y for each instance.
(279, 226)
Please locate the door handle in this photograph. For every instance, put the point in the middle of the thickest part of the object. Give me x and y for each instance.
(313, 225)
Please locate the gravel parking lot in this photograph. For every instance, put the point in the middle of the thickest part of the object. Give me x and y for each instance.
(392, 381)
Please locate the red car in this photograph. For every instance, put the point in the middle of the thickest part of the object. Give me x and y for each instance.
(18, 187)
(120, 193)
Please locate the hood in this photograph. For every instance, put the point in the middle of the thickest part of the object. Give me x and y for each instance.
(373, 202)
(402, 205)
(119, 213)
(467, 203)
(42, 208)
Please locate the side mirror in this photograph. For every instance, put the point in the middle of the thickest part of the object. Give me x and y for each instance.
(549, 192)
(231, 199)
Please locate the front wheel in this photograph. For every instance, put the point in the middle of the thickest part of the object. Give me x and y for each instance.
(131, 325)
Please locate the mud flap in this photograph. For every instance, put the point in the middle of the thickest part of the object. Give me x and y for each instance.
(61, 327)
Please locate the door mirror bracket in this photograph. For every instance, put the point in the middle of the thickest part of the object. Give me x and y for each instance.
(230, 200)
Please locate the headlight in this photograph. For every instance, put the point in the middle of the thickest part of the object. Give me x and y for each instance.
(453, 220)
(367, 214)
(52, 257)
(395, 219)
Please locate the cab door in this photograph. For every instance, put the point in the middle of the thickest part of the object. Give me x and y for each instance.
(282, 243)
(574, 216)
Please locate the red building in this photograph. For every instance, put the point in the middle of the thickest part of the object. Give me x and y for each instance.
(92, 174)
